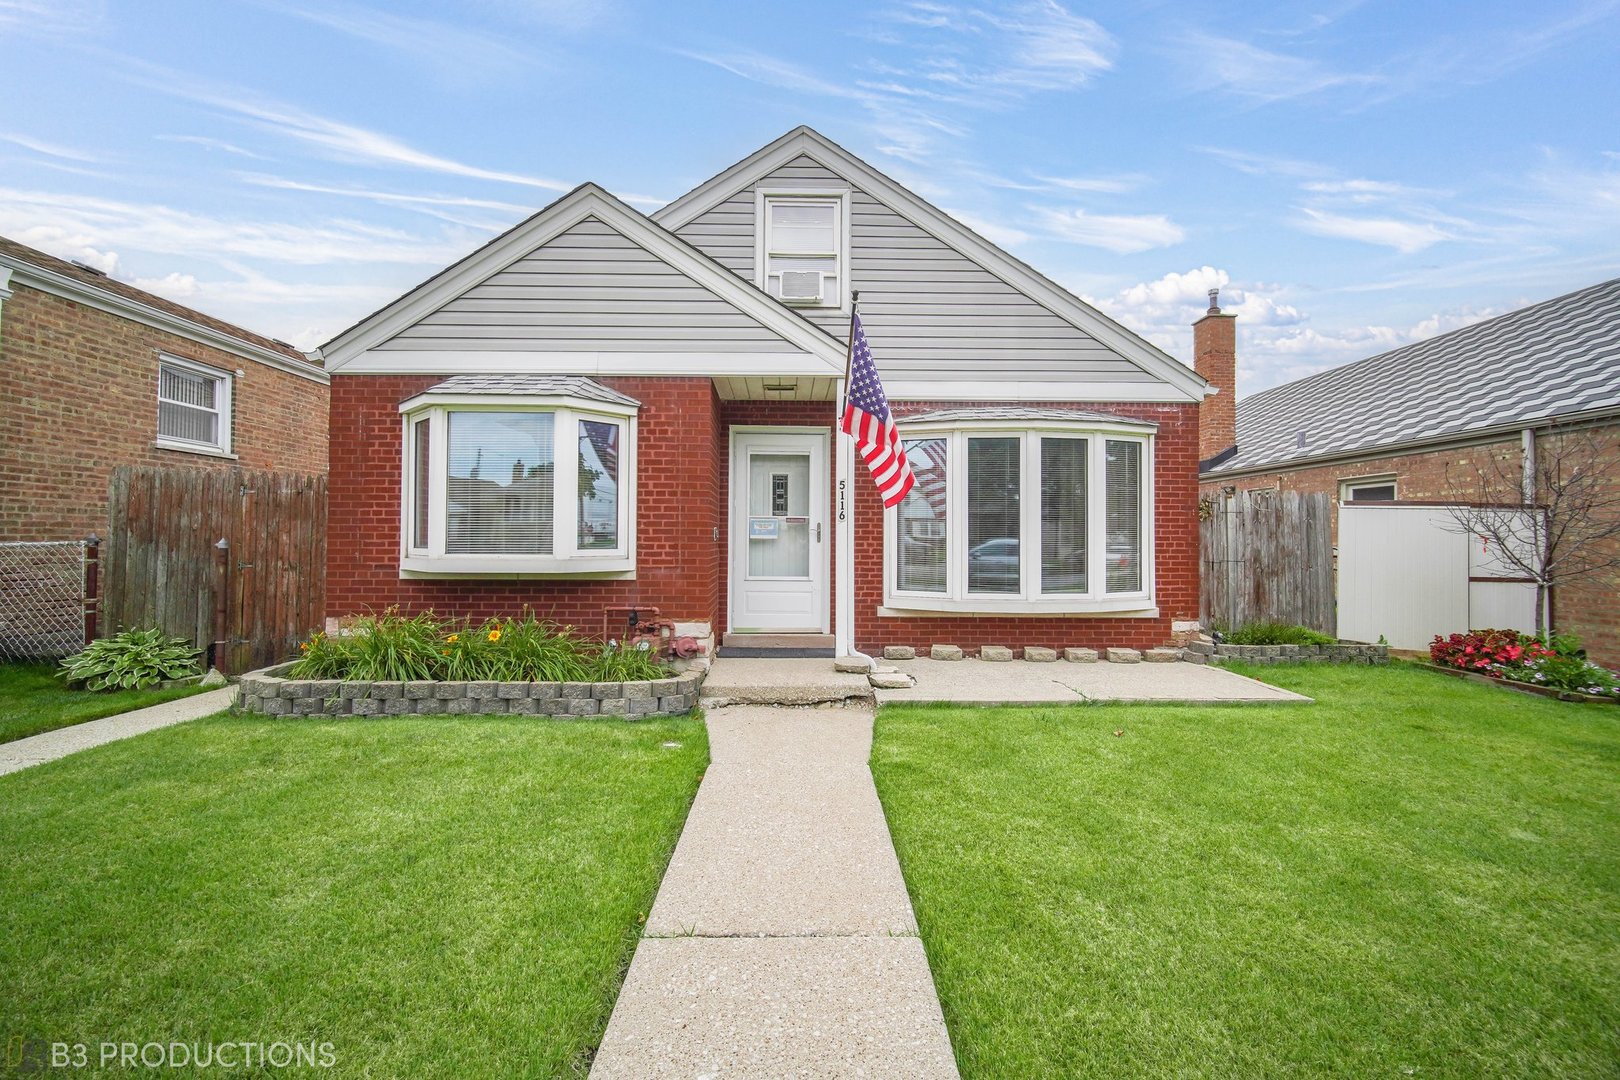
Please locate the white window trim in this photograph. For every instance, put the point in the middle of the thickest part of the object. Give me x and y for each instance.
(1348, 487)
(1030, 599)
(763, 196)
(224, 403)
(566, 559)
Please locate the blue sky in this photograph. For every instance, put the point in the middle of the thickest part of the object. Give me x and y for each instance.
(1352, 175)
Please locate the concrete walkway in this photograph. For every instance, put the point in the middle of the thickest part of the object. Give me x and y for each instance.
(1016, 682)
(51, 745)
(782, 942)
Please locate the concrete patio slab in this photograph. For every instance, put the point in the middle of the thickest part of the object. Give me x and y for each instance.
(783, 850)
(735, 680)
(777, 1007)
(37, 749)
(975, 682)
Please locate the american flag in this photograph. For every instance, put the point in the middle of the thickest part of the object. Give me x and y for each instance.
(866, 417)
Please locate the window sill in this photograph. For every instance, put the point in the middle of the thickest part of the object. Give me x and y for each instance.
(508, 569)
(903, 607)
(191, 448)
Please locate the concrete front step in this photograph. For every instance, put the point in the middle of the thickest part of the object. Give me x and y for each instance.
(777, 641)
(780, 681)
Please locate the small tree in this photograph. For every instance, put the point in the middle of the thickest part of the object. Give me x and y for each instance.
(1551, 515)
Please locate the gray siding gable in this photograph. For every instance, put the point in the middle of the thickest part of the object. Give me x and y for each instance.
(929, 310)
(590, 288)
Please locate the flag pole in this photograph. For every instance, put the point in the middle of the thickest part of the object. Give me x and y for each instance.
(844, 621)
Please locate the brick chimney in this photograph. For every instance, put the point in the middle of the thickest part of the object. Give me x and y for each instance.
(1215, 358)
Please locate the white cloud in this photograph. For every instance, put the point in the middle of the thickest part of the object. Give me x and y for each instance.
(56, 150)
(212, 144)
(58, 222)
(1123, 234)
(1406, 237)
(175, 286)
(452, 50)
(1258, 74)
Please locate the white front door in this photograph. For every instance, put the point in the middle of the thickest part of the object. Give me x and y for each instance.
(779, 531)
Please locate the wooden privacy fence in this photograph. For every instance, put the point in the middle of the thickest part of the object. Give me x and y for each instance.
(163, 565)
(1267, 556)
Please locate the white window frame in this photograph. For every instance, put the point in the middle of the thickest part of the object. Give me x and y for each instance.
(1030, 599)
(763, 197)
(567, 559)
(1348, 488)
(224, 382)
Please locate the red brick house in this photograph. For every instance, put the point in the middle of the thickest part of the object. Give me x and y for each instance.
(96, 373)
(1417, 424)
(603, 409)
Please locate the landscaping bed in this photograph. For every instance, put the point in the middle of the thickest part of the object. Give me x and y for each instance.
(430, 896)
(1413, 876)
(270, 691)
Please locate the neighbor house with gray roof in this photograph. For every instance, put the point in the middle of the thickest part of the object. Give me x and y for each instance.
(1413, 424)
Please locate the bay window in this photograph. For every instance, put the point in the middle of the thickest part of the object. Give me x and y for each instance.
(500, 485)
(1054, 516)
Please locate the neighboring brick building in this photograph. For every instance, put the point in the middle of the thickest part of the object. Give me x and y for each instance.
(601, 410)
(1415, 424)
(96, 373)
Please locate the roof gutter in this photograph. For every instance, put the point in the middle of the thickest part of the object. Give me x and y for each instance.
(49, 281)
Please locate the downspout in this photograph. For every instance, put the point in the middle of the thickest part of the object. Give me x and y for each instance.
(1527, 495)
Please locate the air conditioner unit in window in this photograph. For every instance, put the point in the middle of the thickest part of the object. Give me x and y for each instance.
(801, 286)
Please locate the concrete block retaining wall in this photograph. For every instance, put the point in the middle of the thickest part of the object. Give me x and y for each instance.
(1202, 652)
(269, 692)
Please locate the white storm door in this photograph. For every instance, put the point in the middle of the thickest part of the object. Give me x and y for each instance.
(779, 532)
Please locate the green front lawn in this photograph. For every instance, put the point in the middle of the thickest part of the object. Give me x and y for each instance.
(33, 699)
(434, 896)
(1413, 877)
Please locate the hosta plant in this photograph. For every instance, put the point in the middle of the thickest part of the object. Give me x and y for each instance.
(131, 660)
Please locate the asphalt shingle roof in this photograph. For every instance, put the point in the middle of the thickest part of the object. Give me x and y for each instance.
(1555, 358)
(531, 385)
(24, 253)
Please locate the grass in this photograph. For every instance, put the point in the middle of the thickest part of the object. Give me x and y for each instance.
(33, 699)
(1414, 877)
(435, 896)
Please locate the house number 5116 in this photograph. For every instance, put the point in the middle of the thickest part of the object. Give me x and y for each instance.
(842, 485)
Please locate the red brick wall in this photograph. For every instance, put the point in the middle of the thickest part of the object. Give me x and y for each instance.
(1587, 607)
(80, 392)
(679, 502)
(683, 450)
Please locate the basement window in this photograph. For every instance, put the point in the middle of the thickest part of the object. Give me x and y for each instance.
(1367, 489)
(194, 407)
(517, 485)
(1051, 517)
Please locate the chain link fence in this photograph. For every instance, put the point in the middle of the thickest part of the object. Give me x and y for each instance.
(42, 599)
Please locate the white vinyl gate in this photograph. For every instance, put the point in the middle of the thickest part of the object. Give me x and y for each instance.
(1407, 573)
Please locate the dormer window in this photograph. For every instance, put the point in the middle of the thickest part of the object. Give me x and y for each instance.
(803, 247)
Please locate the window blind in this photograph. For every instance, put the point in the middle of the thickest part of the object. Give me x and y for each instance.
(501, 481)
(419, 483)
(188, 407)
(1063, 515)
(1124, 511)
